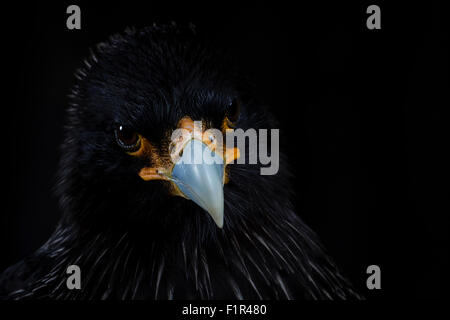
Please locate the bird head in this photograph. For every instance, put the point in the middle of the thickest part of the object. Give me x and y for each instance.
(146, 100)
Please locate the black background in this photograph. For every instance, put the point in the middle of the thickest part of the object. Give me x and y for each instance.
(362, 111)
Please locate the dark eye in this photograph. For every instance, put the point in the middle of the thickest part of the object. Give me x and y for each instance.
(233, 110)
(127, 139)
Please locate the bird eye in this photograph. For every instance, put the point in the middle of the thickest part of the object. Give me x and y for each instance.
(233, 110)
(127, 139)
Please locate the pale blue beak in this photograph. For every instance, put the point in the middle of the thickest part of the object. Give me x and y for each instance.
(199, 176)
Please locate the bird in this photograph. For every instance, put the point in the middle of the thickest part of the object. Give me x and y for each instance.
(141, 226)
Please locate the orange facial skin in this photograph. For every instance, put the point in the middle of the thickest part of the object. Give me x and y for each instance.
(161, 160)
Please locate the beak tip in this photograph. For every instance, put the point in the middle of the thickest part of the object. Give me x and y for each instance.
(219, 223)
(217, 216)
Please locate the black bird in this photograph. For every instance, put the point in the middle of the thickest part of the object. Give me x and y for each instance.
(135, 228)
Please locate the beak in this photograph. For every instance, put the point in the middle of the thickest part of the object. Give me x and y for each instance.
(196, 170)
(198, 174)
